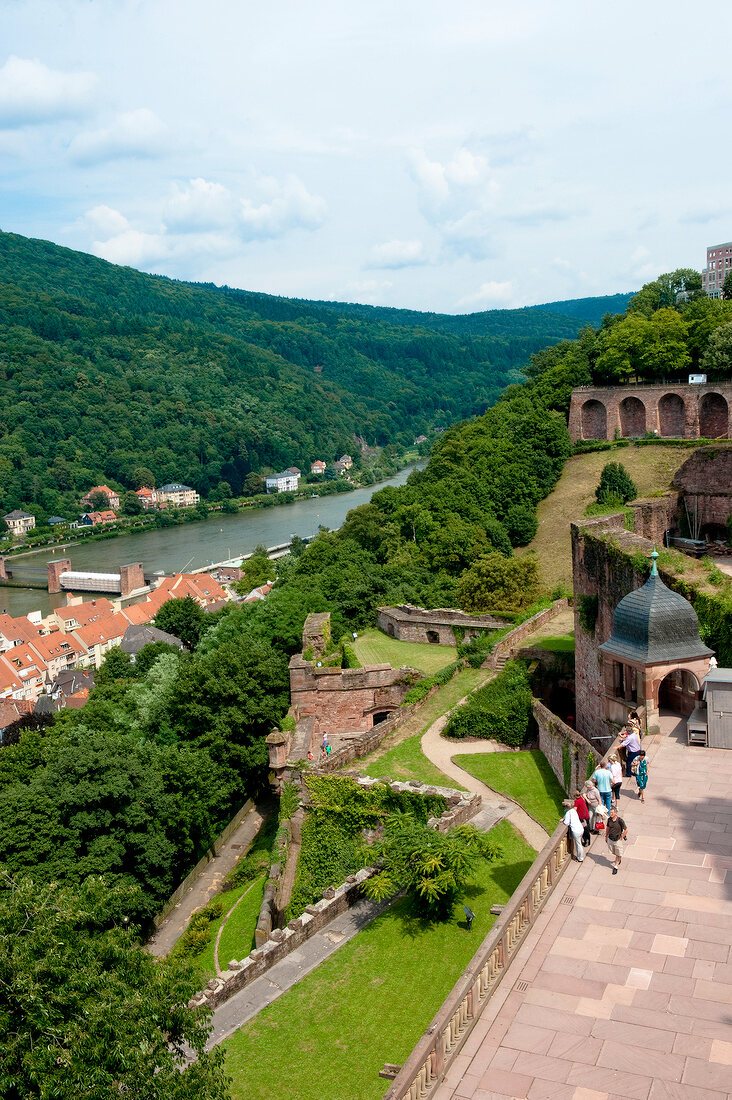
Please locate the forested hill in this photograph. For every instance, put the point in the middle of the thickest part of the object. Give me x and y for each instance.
(591, 310)
(104, 370)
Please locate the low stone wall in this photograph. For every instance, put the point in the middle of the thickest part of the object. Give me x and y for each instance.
(213, 851)
(461, 805)
(509, 643)
(282, 941)
(418, 624)
(267, 909)
(554, 734)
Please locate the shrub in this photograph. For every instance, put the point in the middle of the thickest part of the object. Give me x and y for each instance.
(615, 481)
(500, 711)
(587, 611)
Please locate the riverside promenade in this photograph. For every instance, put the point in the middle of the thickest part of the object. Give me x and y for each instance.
(623, 988)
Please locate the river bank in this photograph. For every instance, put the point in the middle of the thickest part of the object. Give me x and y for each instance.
(185, 547)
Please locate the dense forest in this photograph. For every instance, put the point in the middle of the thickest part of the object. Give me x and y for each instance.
(105, 371)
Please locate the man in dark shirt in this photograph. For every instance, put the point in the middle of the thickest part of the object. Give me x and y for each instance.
(615, 835)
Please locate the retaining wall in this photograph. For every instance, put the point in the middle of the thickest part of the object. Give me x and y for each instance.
(213, 851)
(554, 734)
(509, 643)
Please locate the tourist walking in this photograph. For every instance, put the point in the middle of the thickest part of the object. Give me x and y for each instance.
(631, 744)
(592, 799)
(603, 778)
(583, 814)
(641, 775)
(616, 772)
(615, 836)
(573, 823)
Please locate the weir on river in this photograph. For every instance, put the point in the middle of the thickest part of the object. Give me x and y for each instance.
(183, 549)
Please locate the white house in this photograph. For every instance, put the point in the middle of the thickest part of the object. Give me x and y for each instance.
(286, 482)
(180, 496)
(19, 523)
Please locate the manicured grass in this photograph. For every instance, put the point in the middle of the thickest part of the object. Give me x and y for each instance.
(228, 900)
(407, 761)
(237, 938)
(373, 647)
(557, 643)
(328, 1037)
(524, 776)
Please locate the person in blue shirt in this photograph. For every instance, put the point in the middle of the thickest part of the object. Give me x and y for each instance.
(604, 779)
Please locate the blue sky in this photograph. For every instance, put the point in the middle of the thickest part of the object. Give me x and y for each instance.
(432, 155)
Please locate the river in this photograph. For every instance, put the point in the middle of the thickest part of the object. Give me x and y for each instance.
(190, 546)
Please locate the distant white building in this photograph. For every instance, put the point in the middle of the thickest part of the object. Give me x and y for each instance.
(19, 523)
(286, 482)
(180, 496)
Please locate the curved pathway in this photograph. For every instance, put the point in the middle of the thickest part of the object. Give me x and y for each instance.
(440, 753)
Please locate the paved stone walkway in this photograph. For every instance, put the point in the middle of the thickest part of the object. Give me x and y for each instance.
(208, 884)
(624, 986)
(440, 753)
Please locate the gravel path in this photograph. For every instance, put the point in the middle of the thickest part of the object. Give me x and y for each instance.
(440, 753)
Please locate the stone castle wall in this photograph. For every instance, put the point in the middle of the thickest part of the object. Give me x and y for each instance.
(346, 698)
(554, 734)
(673, 411)
(437, 626)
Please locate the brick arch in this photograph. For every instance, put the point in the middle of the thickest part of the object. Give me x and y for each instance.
(672, 416)
(679, 697)
(632, 418)
(713, 417)
(594, 420)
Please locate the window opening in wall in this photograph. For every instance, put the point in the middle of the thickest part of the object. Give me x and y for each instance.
(433, 637)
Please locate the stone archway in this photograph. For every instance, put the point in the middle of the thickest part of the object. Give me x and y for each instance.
(594, 420)
(677, 692)
(713, 417)
(672, 416)
(632, 418)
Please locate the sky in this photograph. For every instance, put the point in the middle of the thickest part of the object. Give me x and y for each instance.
(447, 156)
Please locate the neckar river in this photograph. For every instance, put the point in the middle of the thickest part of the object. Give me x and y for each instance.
(191, 546)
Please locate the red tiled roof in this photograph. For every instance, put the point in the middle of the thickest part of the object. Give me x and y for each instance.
(101, 631)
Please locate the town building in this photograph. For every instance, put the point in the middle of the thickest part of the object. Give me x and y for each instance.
(19, 523)
(148, 498)
(719, 264)
(346, 462)
(110, 494)
(96, 519)
(294, 470)
(286, 482)
(177, 495)
(317, 467)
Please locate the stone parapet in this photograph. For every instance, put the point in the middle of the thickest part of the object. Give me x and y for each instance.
(408, 623)
(508, 645)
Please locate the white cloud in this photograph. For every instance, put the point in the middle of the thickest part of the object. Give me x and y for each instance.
(278, 207)
(491, 293)
(396, 254)
(103, 221)
(138, 133)
(370, 292)
(30, 92)
(133, 248)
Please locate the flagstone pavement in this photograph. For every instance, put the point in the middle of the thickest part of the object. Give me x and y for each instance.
(623, 988)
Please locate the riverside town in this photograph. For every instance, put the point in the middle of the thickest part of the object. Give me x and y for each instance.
(365, 555)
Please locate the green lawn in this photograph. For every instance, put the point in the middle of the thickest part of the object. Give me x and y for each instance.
(563, 643)
(525, 776)
(238, 938)
(373, 647)
(328, 1036)
(407, 761)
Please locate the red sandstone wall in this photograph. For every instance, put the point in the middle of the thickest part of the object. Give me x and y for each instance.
(340, 699)
(704, 411)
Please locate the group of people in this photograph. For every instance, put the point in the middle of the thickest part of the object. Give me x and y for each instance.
(595, 807)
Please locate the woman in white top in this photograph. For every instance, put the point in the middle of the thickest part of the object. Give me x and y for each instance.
(616, 771)
(573, 823)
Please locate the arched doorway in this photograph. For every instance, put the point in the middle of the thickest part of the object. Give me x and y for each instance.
(713, 417)
(433, 637)
(594, 420)
(632, 418)
(672, 416)
(678, 692)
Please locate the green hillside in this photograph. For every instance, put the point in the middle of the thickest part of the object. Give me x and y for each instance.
(591, 310)
(104, 370)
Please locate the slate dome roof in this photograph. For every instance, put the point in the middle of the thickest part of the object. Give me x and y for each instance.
(654, 625)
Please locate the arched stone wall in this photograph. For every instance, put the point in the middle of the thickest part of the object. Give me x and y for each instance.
(713, 416)
(672, 416)
(632, 418)
(677, 691)
(594, 420)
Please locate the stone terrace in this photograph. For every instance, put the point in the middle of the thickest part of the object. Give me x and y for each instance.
(624, 986)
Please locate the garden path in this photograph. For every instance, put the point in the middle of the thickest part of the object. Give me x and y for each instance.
(440, 753)
(208, 883)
